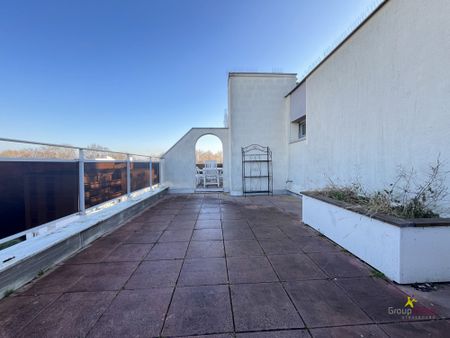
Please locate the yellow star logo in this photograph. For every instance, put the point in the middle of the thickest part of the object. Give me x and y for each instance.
(410, 302)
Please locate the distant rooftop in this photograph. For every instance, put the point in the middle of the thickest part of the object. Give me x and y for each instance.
(231, 74)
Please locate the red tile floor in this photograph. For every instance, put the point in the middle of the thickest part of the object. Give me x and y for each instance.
(217, 266)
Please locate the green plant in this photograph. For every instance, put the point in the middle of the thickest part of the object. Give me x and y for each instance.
(378, 274)
(407, 197)
(40, 273)
(353, 193)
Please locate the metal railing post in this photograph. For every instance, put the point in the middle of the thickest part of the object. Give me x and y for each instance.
(128, 175)
(81, 204)
(161, 171)
(151, 174)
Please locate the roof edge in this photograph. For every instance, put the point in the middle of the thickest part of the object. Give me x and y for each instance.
(335, 49)
(232, 74)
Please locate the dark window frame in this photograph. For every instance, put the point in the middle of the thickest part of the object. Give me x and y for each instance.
(301, 127)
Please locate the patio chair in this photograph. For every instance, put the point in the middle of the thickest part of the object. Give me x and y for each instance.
(211, 177)
(211, 164)
(199, 178)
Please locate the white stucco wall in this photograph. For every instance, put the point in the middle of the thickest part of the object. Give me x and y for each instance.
(382, 100)
(257, 114)
(179, 161)
(298, 102)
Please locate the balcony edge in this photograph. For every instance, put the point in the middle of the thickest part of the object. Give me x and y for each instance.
(25, 270)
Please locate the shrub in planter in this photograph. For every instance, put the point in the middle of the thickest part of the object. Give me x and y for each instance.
(406, 198)
(396, 230)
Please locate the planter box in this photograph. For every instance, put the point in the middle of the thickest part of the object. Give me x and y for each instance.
(406, 251)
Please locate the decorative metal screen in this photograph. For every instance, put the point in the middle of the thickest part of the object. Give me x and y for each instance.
(257, 170)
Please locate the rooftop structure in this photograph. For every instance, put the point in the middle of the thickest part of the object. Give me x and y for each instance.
(104, 243)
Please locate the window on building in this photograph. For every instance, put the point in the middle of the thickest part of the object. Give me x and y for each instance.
(298, 129)
(302, 129)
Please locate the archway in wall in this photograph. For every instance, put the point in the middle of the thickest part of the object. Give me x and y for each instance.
(209, 164)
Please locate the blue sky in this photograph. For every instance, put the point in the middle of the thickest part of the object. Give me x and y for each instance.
(136, 75)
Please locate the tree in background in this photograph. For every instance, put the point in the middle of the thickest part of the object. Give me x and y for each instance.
(41, 152)
(99, 152)
(96, 152)
(202, 156)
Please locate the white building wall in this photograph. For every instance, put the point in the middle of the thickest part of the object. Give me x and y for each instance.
(298, 100)
(382, 100)
(257, 114)
(179, 161)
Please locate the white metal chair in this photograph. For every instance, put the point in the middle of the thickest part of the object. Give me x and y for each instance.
(211, 164)
(211, 177)
(199, 178)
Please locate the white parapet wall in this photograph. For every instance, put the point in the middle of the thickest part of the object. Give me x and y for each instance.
(179, 160)
(405, 252)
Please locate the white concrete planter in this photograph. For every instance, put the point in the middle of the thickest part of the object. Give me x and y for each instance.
(406, 251)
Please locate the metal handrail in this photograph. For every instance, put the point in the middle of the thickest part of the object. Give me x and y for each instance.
(71, 147)
(43, 159)
(81, 160)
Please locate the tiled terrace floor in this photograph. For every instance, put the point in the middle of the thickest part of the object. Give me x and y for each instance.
(214, 265)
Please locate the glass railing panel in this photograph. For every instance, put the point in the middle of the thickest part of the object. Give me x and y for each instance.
(40, 183)
(104, 181)
(36, 192)
(140, 175)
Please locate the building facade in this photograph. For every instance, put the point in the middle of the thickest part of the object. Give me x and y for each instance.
(378, 102)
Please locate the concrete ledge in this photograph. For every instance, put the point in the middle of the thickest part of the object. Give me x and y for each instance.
(40, 253)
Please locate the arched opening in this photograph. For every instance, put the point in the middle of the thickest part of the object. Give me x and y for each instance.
(209, 163)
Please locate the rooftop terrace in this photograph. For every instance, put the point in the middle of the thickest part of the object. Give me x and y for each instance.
(221, 266)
